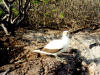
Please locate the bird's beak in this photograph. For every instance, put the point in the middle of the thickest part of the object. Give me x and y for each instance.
(70, 35)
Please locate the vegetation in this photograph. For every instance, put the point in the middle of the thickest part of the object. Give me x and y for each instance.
(14, 13)
(17, 53)
(50, 13)
(61, 13)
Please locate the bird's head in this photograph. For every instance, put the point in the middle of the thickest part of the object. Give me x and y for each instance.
(65, 33)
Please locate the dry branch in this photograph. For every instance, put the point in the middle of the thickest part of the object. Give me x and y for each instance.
(10, 20)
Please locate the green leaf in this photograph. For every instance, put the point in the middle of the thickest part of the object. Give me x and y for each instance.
(0, 0)
(35, 2)
(1, 12)
(45, 1)
(46, 14)
(54, 10)
(15, 11)
(61, 15)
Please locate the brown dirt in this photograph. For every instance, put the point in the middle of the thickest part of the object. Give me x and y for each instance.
(18, 59)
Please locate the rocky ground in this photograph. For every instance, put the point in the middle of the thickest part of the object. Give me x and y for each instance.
(17, 57)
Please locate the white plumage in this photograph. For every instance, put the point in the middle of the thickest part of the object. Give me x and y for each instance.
(57, 46)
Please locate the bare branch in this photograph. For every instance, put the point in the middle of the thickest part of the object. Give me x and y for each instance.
(22, 11)
(20, 6)
(27, 4)
(5, 29)
(6, 4)
(10, 10)
(5, 17)
(11, 1)
(5, 73)
(18, 19)
(2, 7)
(9, 16)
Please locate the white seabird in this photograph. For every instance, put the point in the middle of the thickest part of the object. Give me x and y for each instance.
(57, 46)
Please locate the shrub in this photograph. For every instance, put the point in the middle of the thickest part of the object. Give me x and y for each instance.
(59, 13)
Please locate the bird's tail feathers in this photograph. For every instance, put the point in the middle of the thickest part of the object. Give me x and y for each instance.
(42, 52)
(37, 51)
